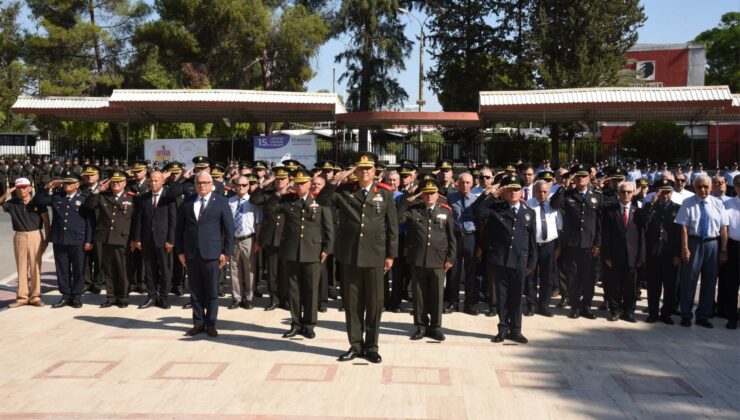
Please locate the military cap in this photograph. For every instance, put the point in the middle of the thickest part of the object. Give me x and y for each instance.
(510, 167)
(173, 167)
(252, 178)
(641, 182)
(497, 178)
(511, 181)
(281, 172)
(91, 170)
(338, 167)
(429, 186)
(406, 169)
(259, 165)
(70, 176)
(580, 169)
(379, 166)
(616, 172)
(201, 162)
(117, 175)
(317, 171)
(546, 175)
(301, 175)
(474, 171)
(426, 176)
(292, 164)
(407, 162)
(366, 160)
(325, 165)
(245, 165)
(218, 169)
(138, 166)
(76, 160)
(444, 164)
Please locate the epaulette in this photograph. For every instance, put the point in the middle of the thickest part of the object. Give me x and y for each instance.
(443, 205)
(289, 194)
(227, 188)
(384, 186)
(313, 196)
(131, 193)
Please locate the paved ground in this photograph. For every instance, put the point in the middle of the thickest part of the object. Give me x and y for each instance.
(115, 363)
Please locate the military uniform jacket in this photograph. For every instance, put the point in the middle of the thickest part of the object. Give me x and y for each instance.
(273, 223)
(115, 216)
(56, 171)
(510, 241)
(430, 240)
(662, 234)
(134, 187)
(581, 217)
(43, 175)
(4, 168)
(14, 173)
(71, 223)
(368, 230)
(308, 230)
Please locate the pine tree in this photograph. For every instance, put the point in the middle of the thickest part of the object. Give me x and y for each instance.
(12, 70)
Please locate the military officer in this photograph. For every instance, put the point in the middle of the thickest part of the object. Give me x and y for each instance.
(15, 171)
(445, 177)
(174, 169)
(511, 254)
(42, 175)
(580, 240)
(113, 228)
(430, 251)
(93, 257)
(305, 245)
(4, 168)
(71, 234)
(368, 229)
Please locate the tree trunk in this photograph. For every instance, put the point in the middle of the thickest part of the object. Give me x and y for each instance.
(366, 83)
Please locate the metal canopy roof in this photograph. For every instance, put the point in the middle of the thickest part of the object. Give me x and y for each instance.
(607, 104)
(184, 105)
(389, 118)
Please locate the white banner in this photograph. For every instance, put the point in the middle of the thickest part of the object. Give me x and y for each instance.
(279, 147)
(181, 150)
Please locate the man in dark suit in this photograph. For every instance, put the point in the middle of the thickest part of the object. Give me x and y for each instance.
(307, 242)
(511, 254)
(71, 234)
(663, 249)
(430, 251)
(137, 184)
(580, 240)
(623, 251)
(115, 208)
(368, 229)
(203, 239)
(154, 236)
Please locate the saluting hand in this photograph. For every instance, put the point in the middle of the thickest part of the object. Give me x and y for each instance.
(104, 186)
(388, 265)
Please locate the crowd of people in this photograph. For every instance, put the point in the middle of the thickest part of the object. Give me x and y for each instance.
(502, 241)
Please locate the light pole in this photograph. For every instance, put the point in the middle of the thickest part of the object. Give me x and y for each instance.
(420, 102)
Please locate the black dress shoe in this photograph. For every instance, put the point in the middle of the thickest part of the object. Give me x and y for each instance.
(221, 293)
(195, 330)
(518, 338)
(247, 304)
(350, 354)
(94, 290)
(499, 338)
(122, 304)
(107, 304)
(628, 317)
(418, 334)
(272, 307)
(233, 305)
(148, 304)
(564, 303)
(667, 320)
(529, 312)
(62, 303)
(436, 334)
(211, 330)
(322, 308)
(76, 303)
(257, 294)
(187, 306)
(731, 325)
(373, 357)
(685, 322)
(294, 331)
(471, 311)
(651, 319)
(341, 308)
(573, 314)
(613, 316)
(544, 312)
(163, 303)
(177, 291)
(449, 308)
(308, 333)
(586, 313)
(704, 323)
(491, 312)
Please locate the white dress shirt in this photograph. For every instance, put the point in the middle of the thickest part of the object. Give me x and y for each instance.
(196, 207)
(553, 218)
(690, 213)
(732, 210)
(251, 215)
(677, 197)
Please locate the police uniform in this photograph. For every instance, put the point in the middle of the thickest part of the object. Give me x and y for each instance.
(113, 229)
(581, 213)
(71, 229)
(93, 257)
(308, 233)
(511, 249)
(430, 244)
(368, 229)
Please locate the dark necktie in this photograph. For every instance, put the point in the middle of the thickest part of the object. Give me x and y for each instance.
(526, 193)
(703, 220)
(303, 202)
(154, 204)
(364, 194)
(202, 207)
(429, 212)
(513, 211)
(625, 216)
(543, 221)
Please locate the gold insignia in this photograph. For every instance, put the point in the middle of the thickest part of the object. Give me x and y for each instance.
(527, 216)
(78, 203)
(594, 200)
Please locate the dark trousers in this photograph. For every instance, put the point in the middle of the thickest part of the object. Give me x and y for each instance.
(303, 279)
(661, 277)
(276, 276)
(704, 261)
(93, 266)
(178, 275)
(135, 269)
(427, 285)
(463, 271)
(544, 275)
(579, 268)
(70, 262)
(203, 278)
(115, 272)
(332, 276)
(362, 295)
(729, 278)
(401, 277)
(324, 283)
(157, 268)
(509, 288)
(620, 284)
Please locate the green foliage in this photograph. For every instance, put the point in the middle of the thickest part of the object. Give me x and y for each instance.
(12, 70)
(429, 146)
(656, 141)
(723, 52)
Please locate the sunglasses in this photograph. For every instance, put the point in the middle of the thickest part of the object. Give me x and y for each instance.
(484, 177)
(626, 192)
(680, 180)
(242, 185)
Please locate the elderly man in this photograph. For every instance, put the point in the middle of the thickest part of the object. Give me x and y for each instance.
(463, 270)
(719, 188)
(203, 242)
(548, 223)
(703, 243)
(28, 219)
(729, 275)
(247, 227)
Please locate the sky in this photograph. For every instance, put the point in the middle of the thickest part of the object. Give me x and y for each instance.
(668, 21)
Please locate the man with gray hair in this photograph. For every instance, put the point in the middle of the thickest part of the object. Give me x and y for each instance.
(703, 243)
(247, 226)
